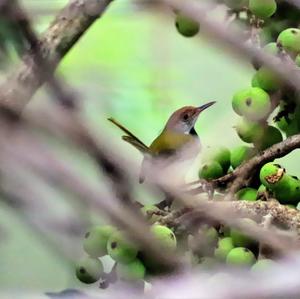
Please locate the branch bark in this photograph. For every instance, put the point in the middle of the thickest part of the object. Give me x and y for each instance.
(69, 25)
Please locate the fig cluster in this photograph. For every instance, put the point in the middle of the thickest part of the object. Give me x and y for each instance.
(131, 263)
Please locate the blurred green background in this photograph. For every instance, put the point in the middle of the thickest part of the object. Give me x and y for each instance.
(134, 66)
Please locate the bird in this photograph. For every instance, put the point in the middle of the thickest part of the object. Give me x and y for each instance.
(177, 144)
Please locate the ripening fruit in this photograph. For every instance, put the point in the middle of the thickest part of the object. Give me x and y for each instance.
(89, 270)
(249, 194)
(267, 80)
(254, 81)
(253, 103)
(250, 131)
(120, 249)
(288, 191)
(241, 154)
(165, 236)
(270, 174)
(186, 26)
(148, 211)
(224, 246)
(271, 136)
(263, 8)
(271, 48)
(222, 156)
(290, 39)
(134, 270)
(239, 238)
(211, 170)
(262, 265)
(240, 256)
(96, 238)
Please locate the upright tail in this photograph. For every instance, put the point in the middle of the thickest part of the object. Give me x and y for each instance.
(130, 138)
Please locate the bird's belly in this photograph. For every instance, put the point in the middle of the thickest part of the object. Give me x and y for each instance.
(172, 169)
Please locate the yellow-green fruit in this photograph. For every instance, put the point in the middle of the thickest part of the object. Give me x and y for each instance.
(224, 246)
(120, 249)
(263, 8)
(222, 156)
(271, 48)
(95, 242)
(149, 212)
(239, 238)
(262, 265)
(89, 270)
(270, 174)
(164, 236)
(240, 256)
(290, 39)
(288, 191)
(241, 154)
(271, 136)
(267, 79)
(134, 270)
(254, 81)
(253, 103)
(186, 26)
(249, 194)
(249, 131)
(211, 170)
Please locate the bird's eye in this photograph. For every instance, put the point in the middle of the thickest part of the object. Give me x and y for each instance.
(185, 116)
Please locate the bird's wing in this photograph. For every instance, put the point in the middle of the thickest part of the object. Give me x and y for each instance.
(131, 138)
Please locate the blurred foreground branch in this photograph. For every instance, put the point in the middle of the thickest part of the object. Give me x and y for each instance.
(69, 25)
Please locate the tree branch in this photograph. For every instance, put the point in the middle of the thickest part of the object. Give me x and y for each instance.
(69, 25)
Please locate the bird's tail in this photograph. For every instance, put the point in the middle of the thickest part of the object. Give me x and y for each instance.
(131, 138)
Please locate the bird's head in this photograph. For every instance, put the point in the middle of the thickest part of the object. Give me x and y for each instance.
(184, 119)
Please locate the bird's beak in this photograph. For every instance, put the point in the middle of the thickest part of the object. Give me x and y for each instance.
(205, 106)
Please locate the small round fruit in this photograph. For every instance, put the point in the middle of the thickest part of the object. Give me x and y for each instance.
(253, 103)
(271, 136)
(263, 8)
(239, 238)
(262, 265)
(240, 256)
(224, 246)
(241, 154)
(135, 270)
(222, 156)
(271, 48)
(149, 212)
(211, 170)
(89, 270)
(186, 26)
(120, 249)
(165, 236)
(290, 39)
(267, 80)
(249, 194)
(270, 174)
(96, 238)
(250, 131)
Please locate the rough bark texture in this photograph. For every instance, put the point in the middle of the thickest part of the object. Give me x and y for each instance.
(68, 26)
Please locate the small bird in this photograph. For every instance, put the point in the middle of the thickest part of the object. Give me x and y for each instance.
(177, 144)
